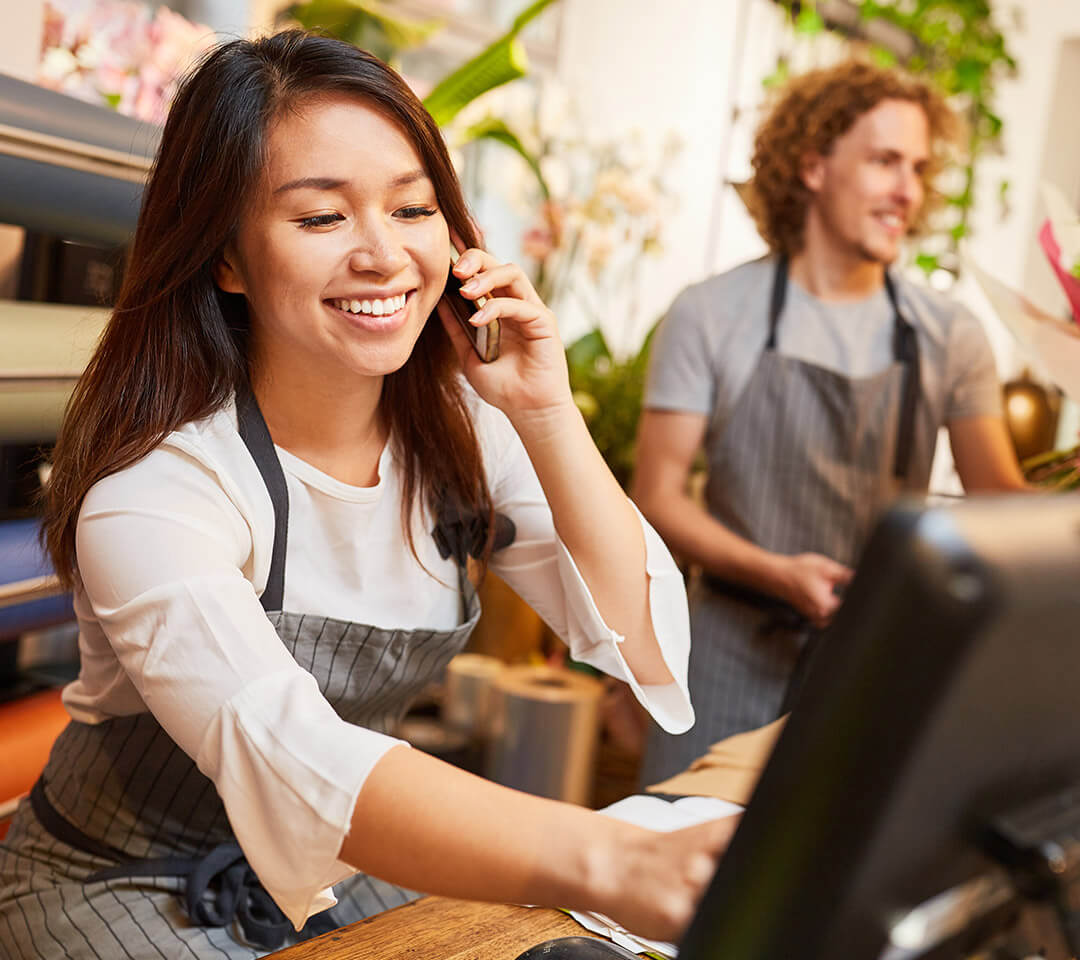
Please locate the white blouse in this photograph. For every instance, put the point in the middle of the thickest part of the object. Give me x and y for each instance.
(173, 553)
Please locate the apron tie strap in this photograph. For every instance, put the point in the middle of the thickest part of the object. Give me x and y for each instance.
(219, 887)
(462, 534)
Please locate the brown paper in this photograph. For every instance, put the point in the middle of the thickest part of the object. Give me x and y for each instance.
(731, 768)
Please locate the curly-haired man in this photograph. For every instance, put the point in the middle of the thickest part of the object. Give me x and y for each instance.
(816, 379)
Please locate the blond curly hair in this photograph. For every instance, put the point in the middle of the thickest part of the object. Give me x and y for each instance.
(812, 112)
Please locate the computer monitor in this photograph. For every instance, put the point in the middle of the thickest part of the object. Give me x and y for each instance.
(945, 693)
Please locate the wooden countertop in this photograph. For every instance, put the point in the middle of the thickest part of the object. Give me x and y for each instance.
(434, 928)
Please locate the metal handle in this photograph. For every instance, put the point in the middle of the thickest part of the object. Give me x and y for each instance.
(62, 152)
(44, 379)
(33, 588)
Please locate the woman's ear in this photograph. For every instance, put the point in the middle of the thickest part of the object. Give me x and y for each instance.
(226, 276)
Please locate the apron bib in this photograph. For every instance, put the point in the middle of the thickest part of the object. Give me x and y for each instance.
(125, 850)
(806, 462)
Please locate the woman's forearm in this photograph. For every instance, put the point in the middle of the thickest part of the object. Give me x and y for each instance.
(600, 528)
(432, 827)
(428, 826)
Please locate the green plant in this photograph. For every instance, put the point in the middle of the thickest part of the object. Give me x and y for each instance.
(376, 26)
(501, 62)
(956, 45)
(370, 24)
(1056, 470)
(608, 393)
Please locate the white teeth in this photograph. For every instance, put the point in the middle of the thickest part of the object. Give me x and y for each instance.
(377, 308)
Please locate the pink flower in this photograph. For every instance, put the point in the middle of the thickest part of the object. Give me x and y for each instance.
(537, 243)
(113, 52)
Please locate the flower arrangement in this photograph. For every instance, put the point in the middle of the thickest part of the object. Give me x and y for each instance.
(1053, 341)
(118, 54)
(595, 209)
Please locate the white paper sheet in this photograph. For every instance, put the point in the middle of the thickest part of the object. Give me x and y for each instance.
(654, 813)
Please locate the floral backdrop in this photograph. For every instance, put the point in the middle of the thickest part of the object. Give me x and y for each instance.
(118, 53)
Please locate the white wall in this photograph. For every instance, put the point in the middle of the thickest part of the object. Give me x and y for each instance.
(20, 40)
(658, 68)
(1041, 142)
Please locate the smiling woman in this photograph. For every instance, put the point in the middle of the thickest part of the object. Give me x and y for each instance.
(270, 486)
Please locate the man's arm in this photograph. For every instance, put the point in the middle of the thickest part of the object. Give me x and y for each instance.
(984, 455)
(668, 441)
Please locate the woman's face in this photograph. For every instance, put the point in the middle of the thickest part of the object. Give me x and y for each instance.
(345, 253)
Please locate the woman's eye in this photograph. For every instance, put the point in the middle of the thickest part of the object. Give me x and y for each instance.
(415, 213)
(321, 220)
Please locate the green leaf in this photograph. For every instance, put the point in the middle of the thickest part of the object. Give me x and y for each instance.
(969, 75)
(503, 61)
(402, 32)
(927, 262)
(882, 56)
(531, 12)
(779, 76)
(809, 21)
(371, 24)
(495, 129)
(584, 352)
(993, 123)
(113, 100)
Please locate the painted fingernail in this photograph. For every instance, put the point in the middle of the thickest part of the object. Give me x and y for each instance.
(477, 318)
(469, 286)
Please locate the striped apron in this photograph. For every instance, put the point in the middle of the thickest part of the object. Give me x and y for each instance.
(805, 463)
(125, 850)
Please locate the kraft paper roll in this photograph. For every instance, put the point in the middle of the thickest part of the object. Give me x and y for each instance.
(544, 729)
(467, 696)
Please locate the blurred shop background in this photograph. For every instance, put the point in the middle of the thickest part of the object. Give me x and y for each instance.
(602, 144)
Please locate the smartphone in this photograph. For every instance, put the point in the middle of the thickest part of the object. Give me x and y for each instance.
(485, 340)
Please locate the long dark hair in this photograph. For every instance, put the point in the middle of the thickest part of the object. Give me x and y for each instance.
(176, 347)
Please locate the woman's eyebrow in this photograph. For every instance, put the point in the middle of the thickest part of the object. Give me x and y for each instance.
(407, 178)
(334, 183)
(311, 183)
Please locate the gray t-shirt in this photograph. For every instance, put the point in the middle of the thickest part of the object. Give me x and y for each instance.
(712, 337)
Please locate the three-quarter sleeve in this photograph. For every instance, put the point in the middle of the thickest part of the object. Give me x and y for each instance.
(162, 551)
(541, 570)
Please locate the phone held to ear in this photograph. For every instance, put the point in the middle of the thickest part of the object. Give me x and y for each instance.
(485, 340)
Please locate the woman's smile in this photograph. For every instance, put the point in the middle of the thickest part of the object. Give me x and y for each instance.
(384, 314)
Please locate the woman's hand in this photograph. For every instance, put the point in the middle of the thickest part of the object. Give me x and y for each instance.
(658, 879)
(530, 376)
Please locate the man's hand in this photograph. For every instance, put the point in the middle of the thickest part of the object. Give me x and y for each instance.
(810, 582)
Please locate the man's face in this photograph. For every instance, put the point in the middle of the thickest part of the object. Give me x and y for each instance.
(869, 189)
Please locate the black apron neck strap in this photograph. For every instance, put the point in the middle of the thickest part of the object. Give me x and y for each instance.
(776, 301)
(906, 353)
(256, 437)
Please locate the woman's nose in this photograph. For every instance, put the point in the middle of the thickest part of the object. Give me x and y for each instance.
(378, 250)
